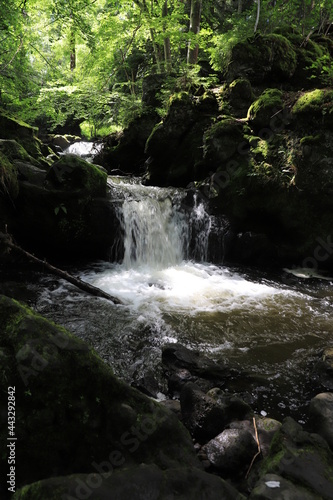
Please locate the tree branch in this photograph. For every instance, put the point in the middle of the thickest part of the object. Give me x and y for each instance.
(7, 241)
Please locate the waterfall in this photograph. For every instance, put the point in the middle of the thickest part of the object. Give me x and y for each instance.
(160, 226)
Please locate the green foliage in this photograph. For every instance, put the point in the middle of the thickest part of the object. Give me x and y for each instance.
(324, 66)
(84, 60)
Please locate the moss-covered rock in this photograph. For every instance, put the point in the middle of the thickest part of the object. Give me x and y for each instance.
(314, 108)
(222, 141)
(240, 96)
(125, 151)
(72, 173)
(262, 111)
(144, 481)
(174, 148)
(261, 58)
(303, 458)
(15, 151)
(24, 134)
(73, 415)
(8, 178)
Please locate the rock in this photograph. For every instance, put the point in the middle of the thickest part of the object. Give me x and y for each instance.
(314, 105)
(206, 416)
(70, 223)
(174, 148)
(303, 458)
(240, 97)
(151, 89)
(231, 451)
(222, 141)
(9, 187)
(124, 151)
(177, 356)
(321, 416)
(266, 429)
(73, 414)
(72, 173)
(30, 173)
(14, 151)
(14, 129)
(263, 110)
(274, 487)
(141, 482)
(61, 141)
(261, 58)
(324, 369)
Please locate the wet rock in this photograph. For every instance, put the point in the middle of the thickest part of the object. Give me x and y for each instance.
(303, 458)
(61, 141)
(325, 368)
(321, 416)
(73, 411)
(142, 482)
(176, 356)
(72, 173)
(206, 416)
(275, 487)
(231, 451)
(266, 429)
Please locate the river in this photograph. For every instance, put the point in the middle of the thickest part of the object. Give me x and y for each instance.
(270, 326)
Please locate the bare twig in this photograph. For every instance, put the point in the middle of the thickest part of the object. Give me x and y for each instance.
(259, 449)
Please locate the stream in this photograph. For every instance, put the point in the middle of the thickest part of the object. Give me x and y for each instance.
(272, 327)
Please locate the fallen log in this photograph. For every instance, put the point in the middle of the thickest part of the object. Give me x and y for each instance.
(7, 242)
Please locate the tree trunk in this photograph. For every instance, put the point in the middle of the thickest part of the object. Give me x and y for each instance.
(72, 49)
(240, 6)
(167, 45)
(195, 18)
(258, 16)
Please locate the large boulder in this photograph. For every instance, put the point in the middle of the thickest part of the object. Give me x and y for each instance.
(140, 482)
(124, 152)
(321, 416)
(70, 204)
(300, 457)
(73, 415)
(13, 129)
(174, 148)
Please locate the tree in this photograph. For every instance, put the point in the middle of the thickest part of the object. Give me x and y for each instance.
(195, 18)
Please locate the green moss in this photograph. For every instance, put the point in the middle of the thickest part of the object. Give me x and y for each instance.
(284, 55)
(262, 110)
(71, 173)
(316, 104)
(180, 98)
(8, 178)
(308, 140)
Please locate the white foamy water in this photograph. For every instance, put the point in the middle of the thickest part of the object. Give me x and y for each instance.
(188, 287)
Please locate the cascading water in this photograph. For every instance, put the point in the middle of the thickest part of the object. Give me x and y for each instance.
(269, 327)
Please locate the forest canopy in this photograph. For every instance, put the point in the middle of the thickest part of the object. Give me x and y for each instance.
(85, 60)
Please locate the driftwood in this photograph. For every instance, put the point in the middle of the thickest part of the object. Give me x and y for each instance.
(8, 243)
